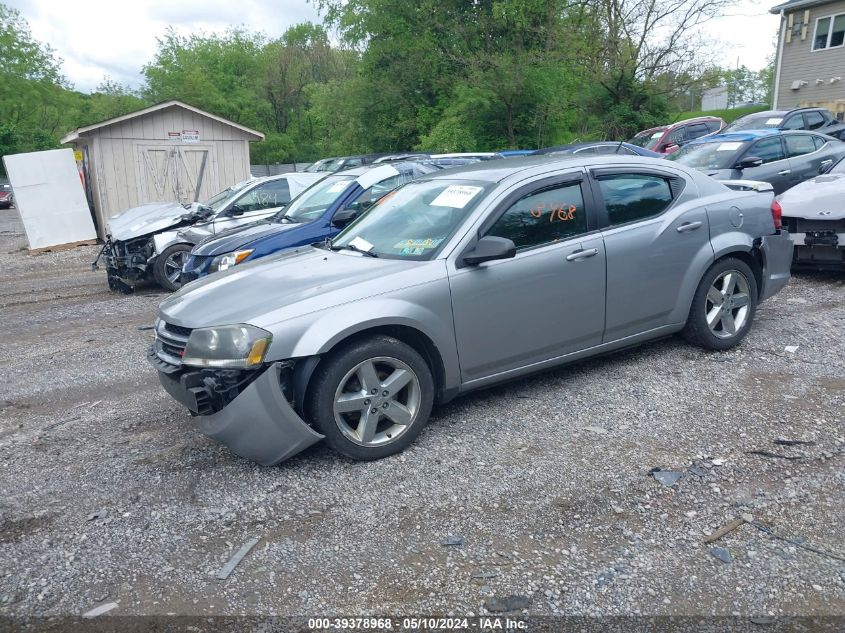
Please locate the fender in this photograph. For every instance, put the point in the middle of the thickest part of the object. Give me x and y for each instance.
(317, 333)
(732, 242)
(702, 260)
(162, 241)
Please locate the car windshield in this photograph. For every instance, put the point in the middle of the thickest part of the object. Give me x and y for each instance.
(220, 200)
(715, 155)
(414, 221)
(649, 141)
(755, 122)
(313, 202)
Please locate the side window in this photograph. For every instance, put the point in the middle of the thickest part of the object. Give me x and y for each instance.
(547, 216)
(696, 131)
(798, 145)
(267, 196)
(676, 136)
(769, 149)
(713, 126)
(587, 150)
(815, 120)
(795, 122)
(369, 196)
(819, 142)
(632, 197)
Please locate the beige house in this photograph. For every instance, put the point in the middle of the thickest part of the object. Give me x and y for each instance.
(810, 67)
(167, 152)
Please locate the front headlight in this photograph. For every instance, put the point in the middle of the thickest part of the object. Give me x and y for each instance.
(235, 346)
(227, 260)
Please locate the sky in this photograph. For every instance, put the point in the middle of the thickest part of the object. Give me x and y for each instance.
(98, 38)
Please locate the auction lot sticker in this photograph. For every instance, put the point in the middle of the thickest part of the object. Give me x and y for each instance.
(455, 196)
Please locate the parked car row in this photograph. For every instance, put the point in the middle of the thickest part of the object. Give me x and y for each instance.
(455, 280)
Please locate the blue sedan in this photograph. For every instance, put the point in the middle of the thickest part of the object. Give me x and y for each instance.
(318, 213)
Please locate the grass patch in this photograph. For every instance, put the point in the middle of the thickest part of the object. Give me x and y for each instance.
(729, 114)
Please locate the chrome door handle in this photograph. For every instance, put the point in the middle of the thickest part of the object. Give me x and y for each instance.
(686, 227)
(785, 172)
(584, 254)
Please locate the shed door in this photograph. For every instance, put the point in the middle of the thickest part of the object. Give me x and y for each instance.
(173, 172)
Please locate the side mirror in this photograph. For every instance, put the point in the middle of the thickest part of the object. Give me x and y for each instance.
(489, 248)
(748, 162)
(344, 217)
(236, 210)
(671, 147)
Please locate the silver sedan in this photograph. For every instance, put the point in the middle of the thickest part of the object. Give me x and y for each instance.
(460, 280)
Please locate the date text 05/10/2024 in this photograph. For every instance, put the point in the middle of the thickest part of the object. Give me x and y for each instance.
(481, 623)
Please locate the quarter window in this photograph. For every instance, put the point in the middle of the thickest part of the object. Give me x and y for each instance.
(830, 32)
(547, 216)
(633, 197)
(819, 142)
(799, 145)
(769, 149)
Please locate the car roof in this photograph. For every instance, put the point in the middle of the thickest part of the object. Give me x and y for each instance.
(495, 171)
(751, 135)
(696, 119)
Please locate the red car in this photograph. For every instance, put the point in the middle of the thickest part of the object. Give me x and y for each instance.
(6, 197)
(668, 138)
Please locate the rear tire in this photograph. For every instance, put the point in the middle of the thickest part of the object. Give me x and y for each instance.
(723, 307)
(371, 398)
(168, 266)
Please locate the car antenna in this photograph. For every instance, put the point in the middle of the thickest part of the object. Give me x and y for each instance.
(618, 147)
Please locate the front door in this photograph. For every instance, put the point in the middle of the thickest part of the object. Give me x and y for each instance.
(652, 238)
(775, 169)
(545, 302)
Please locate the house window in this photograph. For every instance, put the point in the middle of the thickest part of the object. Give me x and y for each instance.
(830, 32)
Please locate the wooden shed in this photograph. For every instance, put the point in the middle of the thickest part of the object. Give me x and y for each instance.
(167, 152)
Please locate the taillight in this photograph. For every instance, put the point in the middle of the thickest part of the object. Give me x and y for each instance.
(777, 214)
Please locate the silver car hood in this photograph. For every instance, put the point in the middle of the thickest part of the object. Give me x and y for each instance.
(291, 284)
(147, 219)
(822, 198)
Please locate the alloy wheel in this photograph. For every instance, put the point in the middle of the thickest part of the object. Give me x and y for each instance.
(377, 401)
(173, 266)
(728, 304)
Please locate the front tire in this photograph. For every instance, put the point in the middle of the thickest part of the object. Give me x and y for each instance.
(371, 398)
(168, 266)
(723, 307)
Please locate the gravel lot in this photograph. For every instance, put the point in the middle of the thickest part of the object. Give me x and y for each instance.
(109, 494)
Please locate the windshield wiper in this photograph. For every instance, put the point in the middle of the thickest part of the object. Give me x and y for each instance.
(352, 247)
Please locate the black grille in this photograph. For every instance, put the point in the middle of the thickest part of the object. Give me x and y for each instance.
(177, 329)
(171, 341)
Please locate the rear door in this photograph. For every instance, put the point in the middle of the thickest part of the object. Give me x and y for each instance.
(805, 160)
(655, 233)
(545, 302)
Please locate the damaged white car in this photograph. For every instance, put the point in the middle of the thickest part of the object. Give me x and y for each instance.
(814, 213)
(150, 242)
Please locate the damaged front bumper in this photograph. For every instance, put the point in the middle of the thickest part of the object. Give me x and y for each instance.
(777, 261)
(126, 262)
(245, 410)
